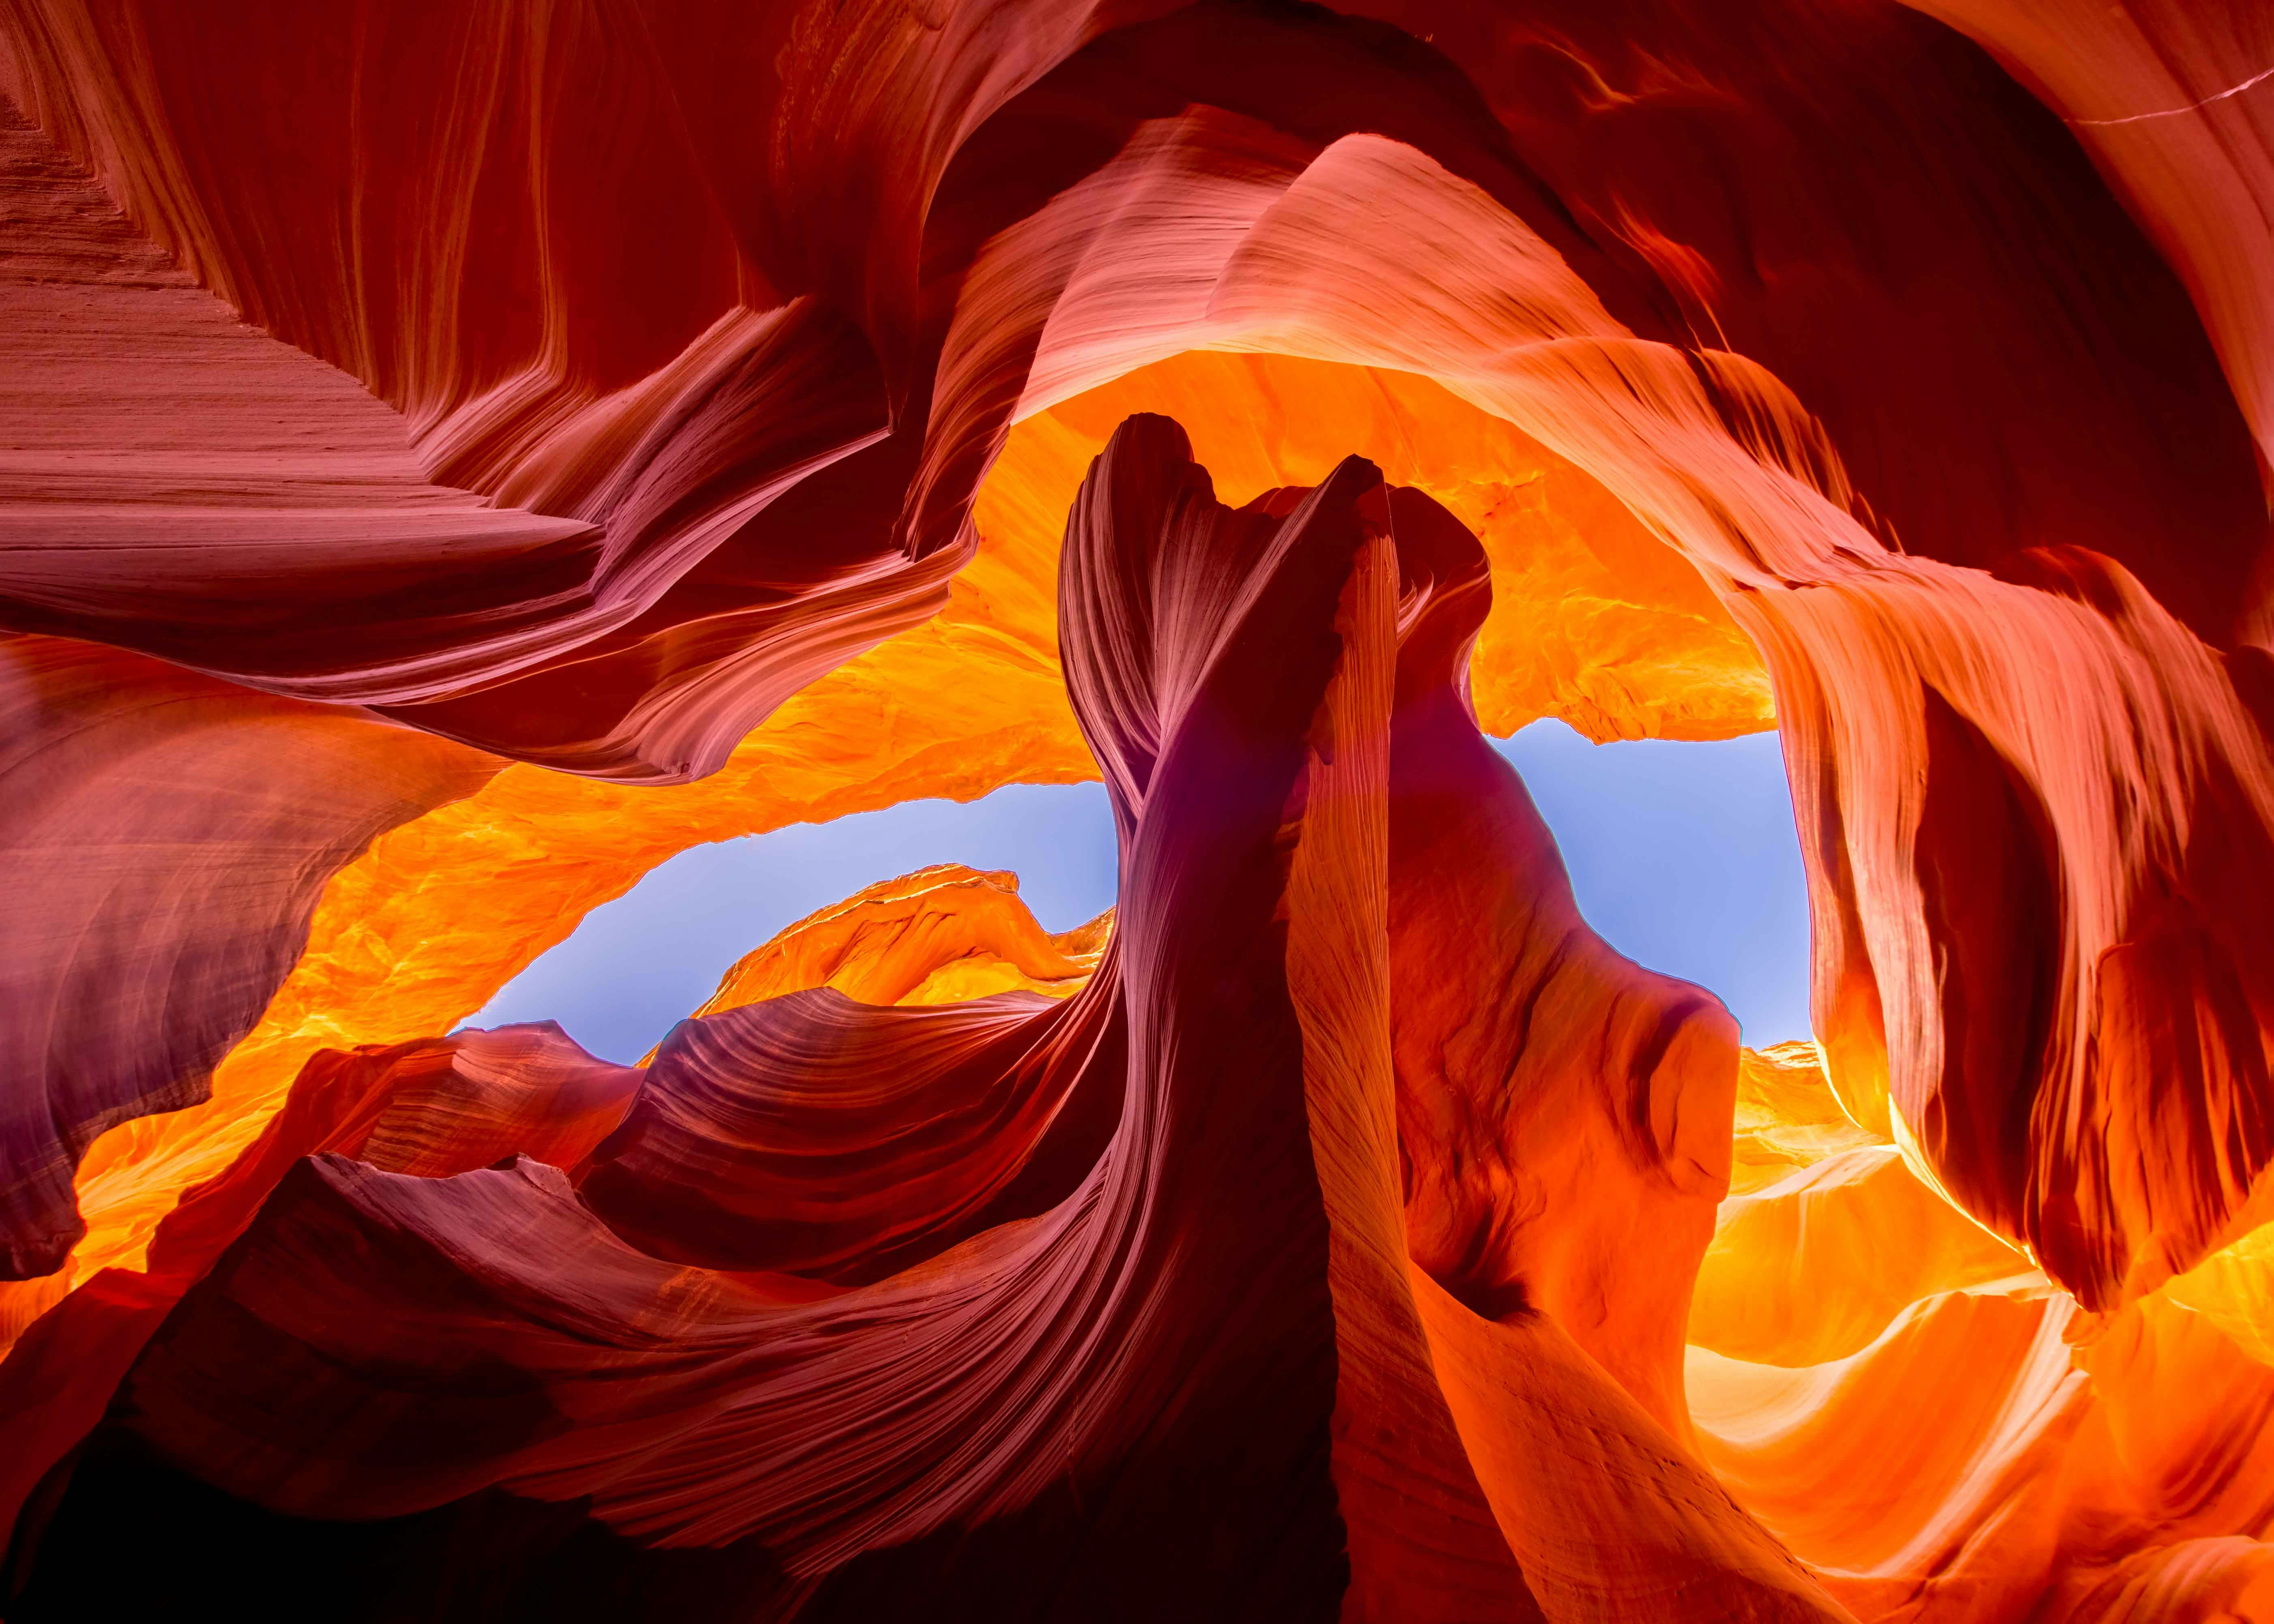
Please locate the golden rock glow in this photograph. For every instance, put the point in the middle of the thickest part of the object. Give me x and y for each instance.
(735, 399)
(939, 936)
(1595, 621)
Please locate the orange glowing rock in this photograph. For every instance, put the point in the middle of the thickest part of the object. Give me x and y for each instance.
(1594, 620)
(2046, 1479)
(1823, 1201)
(1787, 1116)
(792, 1151)
(940, 936)
(1940, 1433)
(2233, 1288)
(1860, 1217)
(459, 456)
(418, 935)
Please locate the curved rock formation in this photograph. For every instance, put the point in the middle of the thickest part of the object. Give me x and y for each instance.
(458, 456)
(1090, 1215)
(940, 936)
(165, 839)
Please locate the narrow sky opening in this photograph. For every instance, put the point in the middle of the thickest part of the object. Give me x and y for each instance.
(1682, 855)
(636, 966)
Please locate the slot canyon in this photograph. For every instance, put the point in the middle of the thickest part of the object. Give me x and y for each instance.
(457, 456)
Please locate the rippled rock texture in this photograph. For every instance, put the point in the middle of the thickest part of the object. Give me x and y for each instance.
(454, 457)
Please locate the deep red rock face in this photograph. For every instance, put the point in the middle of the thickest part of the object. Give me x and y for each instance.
(435, 440)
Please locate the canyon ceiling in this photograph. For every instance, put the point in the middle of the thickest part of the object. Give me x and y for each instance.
(456, 456)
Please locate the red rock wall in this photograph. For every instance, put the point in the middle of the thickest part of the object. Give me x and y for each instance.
(450, 431)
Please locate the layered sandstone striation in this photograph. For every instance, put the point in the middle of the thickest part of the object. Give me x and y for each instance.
(456, 458)
(942, 934)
